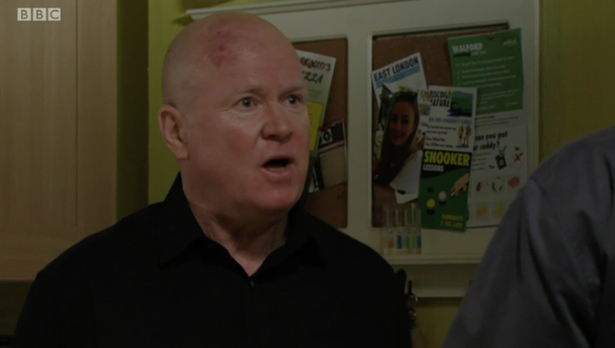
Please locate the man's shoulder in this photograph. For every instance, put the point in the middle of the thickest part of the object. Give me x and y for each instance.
(110, 246)
(576, 183)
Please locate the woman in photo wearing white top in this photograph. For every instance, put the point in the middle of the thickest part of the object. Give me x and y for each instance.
(396, 174)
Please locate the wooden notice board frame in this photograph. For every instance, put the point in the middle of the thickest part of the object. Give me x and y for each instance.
(448, 259)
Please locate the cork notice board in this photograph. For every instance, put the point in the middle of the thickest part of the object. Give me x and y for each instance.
(330, 204)
(433, 48)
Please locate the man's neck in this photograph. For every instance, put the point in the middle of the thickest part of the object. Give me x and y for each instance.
(248, 242)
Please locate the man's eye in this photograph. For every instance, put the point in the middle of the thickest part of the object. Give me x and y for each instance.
(246, 102)
(293, 99)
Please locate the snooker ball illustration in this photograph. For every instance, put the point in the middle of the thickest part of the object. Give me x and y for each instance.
(442, 198)
(431, 204)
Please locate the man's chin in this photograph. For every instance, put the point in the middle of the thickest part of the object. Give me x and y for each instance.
(276, 204)
(279, 207)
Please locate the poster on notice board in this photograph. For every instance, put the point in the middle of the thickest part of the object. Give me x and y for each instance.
(397, 133)
(318, 74)
(447, 155)
(493, 63)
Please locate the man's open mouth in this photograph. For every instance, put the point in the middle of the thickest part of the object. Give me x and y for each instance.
(277, 163)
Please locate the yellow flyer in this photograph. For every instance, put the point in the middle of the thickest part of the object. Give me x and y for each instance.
(317, 73)
(315, 112)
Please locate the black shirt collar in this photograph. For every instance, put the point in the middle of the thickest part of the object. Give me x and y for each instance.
(179, 230)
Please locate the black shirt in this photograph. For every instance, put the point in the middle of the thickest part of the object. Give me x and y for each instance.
(155, 280)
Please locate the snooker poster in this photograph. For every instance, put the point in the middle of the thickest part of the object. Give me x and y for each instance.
(447, 157)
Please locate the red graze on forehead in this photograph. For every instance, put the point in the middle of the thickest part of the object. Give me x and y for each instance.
(217, 47)
(227, 36)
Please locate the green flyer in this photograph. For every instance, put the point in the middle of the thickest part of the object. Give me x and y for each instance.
(493, 64)
(443, 193)
(447, 156)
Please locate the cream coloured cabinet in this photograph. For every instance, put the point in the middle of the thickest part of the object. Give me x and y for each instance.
(58, 113)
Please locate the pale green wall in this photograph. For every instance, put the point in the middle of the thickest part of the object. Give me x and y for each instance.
(166, 18)
(577, 70)
(132, 142)
(577, 73)
(435, 316)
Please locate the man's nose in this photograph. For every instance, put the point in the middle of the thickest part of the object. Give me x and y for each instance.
(278, 126)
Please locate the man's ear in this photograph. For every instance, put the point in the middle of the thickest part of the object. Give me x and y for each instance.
(171, 122)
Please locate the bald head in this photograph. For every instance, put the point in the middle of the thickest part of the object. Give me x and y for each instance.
(208, 44)
(235, 117)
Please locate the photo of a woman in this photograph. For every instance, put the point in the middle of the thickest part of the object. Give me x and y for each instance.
(396, 173)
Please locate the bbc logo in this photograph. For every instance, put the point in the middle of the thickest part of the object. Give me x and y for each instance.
(39, 14)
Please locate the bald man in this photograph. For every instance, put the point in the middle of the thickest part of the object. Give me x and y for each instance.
(229, 259)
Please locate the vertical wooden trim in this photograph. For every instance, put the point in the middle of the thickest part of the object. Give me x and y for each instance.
(550, 75)
(97, 114)
(38, 108)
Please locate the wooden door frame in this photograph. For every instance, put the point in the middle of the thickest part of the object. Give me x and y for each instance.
(97, 114)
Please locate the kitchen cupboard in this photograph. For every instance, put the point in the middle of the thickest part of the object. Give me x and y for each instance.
(58, 112)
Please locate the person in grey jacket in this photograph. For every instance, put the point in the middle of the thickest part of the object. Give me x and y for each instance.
(547, 278)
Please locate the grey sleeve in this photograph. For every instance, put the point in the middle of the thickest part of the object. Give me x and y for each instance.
(538, 283)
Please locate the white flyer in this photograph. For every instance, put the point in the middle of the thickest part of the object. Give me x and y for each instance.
(499, 170)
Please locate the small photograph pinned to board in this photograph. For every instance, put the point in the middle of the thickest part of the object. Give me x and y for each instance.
(397, 136)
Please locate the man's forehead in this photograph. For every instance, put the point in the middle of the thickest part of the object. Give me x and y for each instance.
(223, 44)
(219, 48)
(257, 52)
(235, 28)
(222, 40)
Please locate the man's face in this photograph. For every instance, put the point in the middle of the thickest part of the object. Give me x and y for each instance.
(401, 123)
(248, 130)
